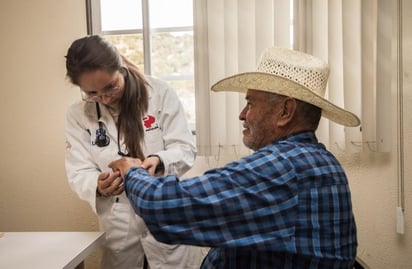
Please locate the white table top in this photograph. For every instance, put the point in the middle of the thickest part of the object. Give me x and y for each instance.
(45, 250)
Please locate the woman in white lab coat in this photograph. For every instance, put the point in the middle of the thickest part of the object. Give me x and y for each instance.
(123, 112)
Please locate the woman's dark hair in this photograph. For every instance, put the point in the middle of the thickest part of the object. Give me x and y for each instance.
(92, 53)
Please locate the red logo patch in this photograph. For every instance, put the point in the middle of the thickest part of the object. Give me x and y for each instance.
(148, 121)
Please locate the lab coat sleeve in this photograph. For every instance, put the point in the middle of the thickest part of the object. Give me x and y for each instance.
(82, 172)
(180, 151)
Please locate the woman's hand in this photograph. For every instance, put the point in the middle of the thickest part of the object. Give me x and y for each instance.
(110, 184)
(153, 164)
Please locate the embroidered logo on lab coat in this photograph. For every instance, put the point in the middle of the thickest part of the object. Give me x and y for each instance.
(150, 123)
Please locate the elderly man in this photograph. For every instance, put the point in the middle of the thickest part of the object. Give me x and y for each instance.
(287, 205)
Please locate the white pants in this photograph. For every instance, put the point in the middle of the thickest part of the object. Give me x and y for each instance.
(128, 240)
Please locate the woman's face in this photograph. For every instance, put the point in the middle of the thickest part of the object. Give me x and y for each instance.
(103, 87)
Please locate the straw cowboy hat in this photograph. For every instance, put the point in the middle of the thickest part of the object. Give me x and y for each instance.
(290, 73)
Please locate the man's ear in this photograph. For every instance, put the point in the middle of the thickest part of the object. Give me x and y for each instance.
(288, 111)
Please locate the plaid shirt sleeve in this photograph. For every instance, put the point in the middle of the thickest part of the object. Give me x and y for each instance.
(239, 205)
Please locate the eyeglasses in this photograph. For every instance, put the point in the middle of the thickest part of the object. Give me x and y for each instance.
(109, 91)
(93, 97)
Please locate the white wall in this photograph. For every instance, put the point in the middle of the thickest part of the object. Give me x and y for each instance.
(35, 94)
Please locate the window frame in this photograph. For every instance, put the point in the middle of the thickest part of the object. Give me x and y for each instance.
(94, 27)
(93, 20)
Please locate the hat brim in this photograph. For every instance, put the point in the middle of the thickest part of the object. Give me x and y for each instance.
(275, 84)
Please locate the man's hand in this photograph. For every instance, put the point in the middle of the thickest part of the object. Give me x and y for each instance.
(123, 165)
(110, 184)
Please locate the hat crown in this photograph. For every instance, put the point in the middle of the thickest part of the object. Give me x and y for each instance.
(296, 66)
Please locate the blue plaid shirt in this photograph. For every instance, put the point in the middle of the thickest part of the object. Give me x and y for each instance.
(287, 205)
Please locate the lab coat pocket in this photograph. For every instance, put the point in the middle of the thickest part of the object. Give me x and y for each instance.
(115, 222)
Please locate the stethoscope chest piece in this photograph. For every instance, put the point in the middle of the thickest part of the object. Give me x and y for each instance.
(102, 139)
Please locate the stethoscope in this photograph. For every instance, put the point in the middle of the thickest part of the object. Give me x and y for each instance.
(102, 139)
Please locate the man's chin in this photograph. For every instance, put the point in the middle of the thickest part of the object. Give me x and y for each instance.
(247, 142)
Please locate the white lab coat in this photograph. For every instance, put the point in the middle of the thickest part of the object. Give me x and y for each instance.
(166, 135)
